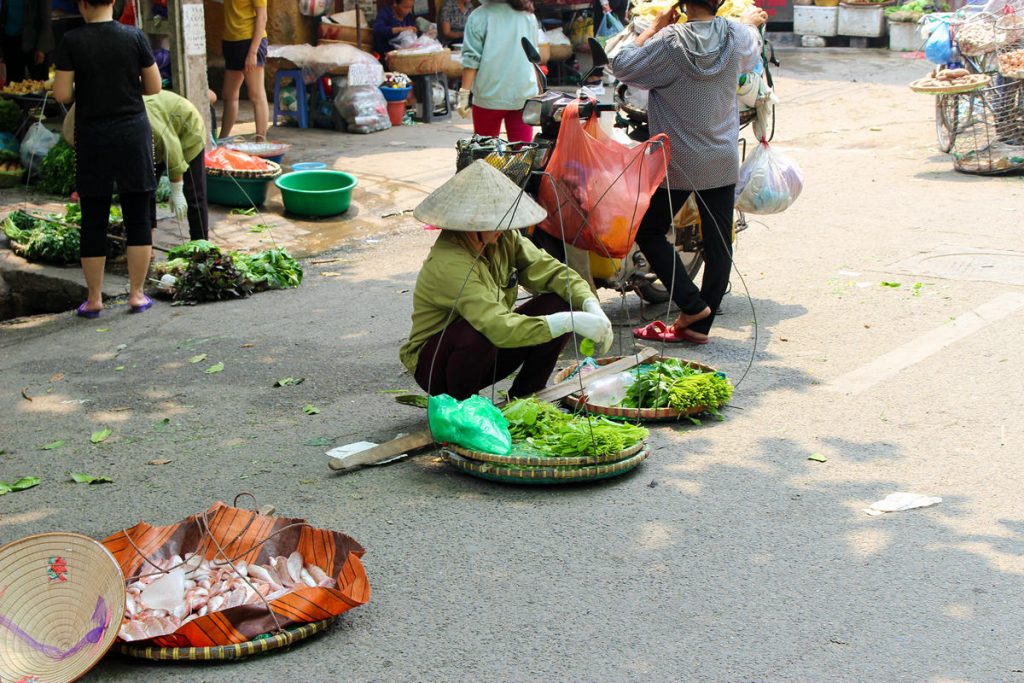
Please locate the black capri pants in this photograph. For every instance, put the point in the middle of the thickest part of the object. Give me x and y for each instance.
(96, 221)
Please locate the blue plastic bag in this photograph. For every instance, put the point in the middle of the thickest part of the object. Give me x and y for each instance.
(610, 26)
(938, 49)
(475, 423)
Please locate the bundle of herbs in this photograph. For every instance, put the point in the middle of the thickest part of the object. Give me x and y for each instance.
(203, 272)
(54, 238)
(672, 384)
(57, 171)
(546, 430)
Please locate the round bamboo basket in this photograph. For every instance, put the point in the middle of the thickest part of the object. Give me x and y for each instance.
(977, 81)
(418, 64)
(576, 402)
(543, 475)
(61, 604)
(541, 461)
(273, 170)
(256, 646)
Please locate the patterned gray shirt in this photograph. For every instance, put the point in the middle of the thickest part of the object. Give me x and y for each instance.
(692, 71)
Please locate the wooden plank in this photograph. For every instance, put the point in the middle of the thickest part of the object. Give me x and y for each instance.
(423, 438)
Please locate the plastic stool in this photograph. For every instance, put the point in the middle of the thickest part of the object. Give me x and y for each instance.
(301, 101)
(423, 89)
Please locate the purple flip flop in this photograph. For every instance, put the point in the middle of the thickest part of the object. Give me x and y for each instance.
(82, 313)
(142, 307)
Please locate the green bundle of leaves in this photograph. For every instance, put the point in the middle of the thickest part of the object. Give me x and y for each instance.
(10, 116)
(672, 384)
(42, 240)
(210, 275)
(57, 172)
(551, 432)
(529, 418)
(270, 269)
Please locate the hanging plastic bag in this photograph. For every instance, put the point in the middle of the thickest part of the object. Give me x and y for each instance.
(610, 26)
(938, 49)
(769, 182)
(38, 141)
(599, 189)
(475, 423)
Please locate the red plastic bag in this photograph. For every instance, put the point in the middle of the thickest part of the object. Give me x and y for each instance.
(599, 189)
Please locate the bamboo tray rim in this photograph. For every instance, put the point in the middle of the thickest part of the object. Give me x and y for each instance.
(981, 80)
(540, 461)
(543, 475)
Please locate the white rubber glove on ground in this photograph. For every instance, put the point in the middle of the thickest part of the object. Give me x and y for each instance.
(593, 327)
(593, 306)
(463, 106)
(178, 204)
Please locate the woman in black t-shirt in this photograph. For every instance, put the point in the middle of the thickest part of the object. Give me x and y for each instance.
(106, 68)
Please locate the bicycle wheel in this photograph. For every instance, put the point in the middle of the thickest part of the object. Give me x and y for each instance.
(946, 118)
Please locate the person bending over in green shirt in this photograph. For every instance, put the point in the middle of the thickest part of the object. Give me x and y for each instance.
(467, 332)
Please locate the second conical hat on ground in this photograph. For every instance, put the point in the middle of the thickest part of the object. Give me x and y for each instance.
(479, 198)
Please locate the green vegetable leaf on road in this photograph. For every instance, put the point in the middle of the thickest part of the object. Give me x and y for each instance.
(817, 457)
(198, 358)
(310, 409)
(20, 485)
(89, 479)
(101, 435)
(53, 445)
(216, 367)
(289, 381)
(891, 284)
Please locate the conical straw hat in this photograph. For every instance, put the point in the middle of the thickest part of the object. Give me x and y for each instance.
(61, 605)
(479, 198)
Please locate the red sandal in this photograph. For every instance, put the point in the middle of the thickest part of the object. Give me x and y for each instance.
(659, 331)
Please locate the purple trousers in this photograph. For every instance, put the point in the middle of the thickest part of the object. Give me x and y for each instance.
(467, 362)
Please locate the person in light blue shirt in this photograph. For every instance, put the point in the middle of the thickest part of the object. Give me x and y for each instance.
(495, 69)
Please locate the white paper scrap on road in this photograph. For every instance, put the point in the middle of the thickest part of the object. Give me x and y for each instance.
(900, 501)
(930, 343)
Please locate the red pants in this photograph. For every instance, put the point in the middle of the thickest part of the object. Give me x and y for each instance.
(488, 122)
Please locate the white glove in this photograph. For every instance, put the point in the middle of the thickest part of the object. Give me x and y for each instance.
(178, 204)
(593, 327)
(463, 106)
(594, 306)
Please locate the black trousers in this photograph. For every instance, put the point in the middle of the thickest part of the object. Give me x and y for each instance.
(195, 196)
(96, 221)
(715, 206)
(20, 64)
(467, 361)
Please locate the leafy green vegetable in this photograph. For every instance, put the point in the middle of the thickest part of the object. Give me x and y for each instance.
(270, 269)
(20, 485)
(817, 457)
(215, 368)
(209, 276)
(289, 382)
(891, 284)
(53, 445)
(189, 249)
(100, 435)
(318, 441)
(310, 409)
(89, 479)
(672, 384)
(557, 434)
(416, 400)
(42, 240)
(587, 347)
(57, 170)
(199, 358)
(10, 116)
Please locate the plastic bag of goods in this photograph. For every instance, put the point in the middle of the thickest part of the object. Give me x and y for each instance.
(769, 181)
(475, 423)
(609, 27)
(938, 49)
(364, 109)
(315, 8)
(38, 141)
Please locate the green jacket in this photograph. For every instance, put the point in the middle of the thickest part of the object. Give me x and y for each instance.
(489, 296)
(178, 131)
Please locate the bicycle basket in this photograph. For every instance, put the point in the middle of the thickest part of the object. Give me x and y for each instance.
(988, 129)
(515, 159)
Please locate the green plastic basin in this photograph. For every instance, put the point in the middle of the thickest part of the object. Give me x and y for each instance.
(316, 193)
(244, 192)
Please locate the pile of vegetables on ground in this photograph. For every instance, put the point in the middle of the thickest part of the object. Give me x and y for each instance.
(200, 271)
(669, 383)
(911, 12)
(539, 428)
(55, 238)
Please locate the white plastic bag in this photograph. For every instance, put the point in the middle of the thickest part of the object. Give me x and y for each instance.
(769, 181)
(610, 391)
(38, 141)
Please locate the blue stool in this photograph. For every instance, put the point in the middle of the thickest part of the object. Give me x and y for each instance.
(301, 100)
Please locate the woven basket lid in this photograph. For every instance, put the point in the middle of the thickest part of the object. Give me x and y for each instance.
(479, 198)
(61, 605)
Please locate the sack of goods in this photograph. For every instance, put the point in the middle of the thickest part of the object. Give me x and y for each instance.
(769, 182)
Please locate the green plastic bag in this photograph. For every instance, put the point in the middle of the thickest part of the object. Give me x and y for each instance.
(475, 423)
